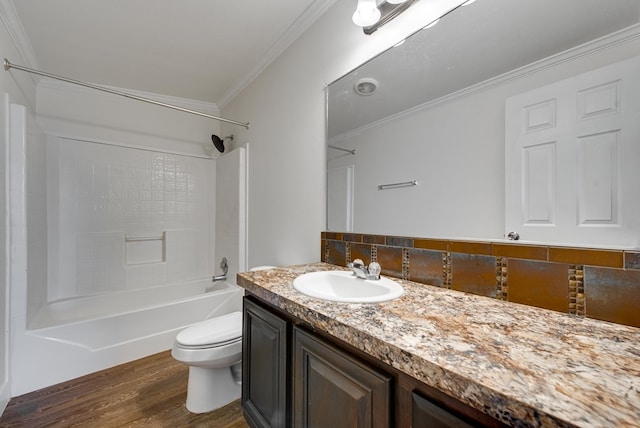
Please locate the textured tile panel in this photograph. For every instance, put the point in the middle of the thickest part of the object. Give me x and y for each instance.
(374, 239)
(541, 284)
(612, 295)
(390, 258)
(426, 266)
(473, 274)
(361, 251)
(584, 256)
(431, 244)
(337, 253)
(352, 237)
(399, 241)
(468, 247)
(519, 251)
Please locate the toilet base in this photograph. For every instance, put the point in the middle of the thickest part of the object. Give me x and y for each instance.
(210, 389)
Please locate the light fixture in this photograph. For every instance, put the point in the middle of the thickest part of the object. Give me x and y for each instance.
(371, 17)
(366, 86)
(366, 14)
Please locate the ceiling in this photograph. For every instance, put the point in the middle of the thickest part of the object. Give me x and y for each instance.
(206, 50)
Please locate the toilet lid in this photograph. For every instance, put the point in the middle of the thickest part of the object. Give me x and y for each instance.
(219, 330)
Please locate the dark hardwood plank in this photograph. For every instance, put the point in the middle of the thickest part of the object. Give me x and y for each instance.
(149, 392)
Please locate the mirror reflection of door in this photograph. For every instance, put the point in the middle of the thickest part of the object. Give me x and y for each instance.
(568, 147)
(340, 198)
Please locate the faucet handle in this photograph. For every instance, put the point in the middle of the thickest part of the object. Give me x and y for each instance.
(358, 263)
(374, 270)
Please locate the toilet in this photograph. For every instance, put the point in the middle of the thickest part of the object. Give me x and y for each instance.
(213, 351)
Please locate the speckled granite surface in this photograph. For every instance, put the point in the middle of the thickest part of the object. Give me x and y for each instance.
(522, 365)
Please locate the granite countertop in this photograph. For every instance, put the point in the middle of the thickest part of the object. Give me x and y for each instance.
(523, 365)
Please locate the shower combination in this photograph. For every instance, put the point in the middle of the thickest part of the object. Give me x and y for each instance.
(219, 142)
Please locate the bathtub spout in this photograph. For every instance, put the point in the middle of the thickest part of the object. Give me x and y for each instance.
(225, 268)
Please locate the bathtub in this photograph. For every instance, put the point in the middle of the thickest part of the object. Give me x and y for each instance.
(78, 336)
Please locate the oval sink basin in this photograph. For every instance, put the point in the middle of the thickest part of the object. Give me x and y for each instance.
(342, 286)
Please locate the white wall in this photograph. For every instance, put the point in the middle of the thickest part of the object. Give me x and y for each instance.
(78, 112)
(286, 108)
(21, 89)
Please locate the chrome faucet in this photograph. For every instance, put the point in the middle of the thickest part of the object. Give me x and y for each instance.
(361, 271)
(225, 268)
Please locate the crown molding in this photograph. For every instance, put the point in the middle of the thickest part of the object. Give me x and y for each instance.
(202, 106)
(14, 27)
(296, 29)
(621, 37)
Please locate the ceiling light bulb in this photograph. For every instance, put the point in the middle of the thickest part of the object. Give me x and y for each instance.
(366, 14)
(396, 1)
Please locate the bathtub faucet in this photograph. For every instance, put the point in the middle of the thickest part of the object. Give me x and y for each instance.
(225, 268)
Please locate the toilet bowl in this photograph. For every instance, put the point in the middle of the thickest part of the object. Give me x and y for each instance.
(213, 351)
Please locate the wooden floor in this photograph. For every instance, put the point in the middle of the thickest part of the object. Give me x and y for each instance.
(149, 392)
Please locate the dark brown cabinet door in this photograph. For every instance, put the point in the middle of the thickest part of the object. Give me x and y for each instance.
(426, 414)
(333, 389)
(265, 363)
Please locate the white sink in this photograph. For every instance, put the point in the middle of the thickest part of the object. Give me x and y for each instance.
(342, 286)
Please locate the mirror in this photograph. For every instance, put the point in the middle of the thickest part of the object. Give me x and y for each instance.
(429, 125)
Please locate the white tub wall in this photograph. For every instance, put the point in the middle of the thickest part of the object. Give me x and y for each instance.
(127, 204)
(5, 393)
(36, 216)
(230, 222)
(70, 110)
(27, 213)
(100, 195)
(20, 88)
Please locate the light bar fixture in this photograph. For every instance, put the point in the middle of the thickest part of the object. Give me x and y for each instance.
(370, 16)
(367, 13)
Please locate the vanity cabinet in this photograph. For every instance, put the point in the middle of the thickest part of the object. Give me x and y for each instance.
(265, 367)
(295, 377)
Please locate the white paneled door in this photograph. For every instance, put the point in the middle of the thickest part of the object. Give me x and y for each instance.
(573, 159)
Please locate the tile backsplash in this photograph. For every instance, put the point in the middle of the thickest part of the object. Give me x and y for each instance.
(597, 283)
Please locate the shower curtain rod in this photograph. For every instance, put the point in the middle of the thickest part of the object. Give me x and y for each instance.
(8, 65)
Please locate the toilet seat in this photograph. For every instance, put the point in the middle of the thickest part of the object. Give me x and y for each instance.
(209, 345)
(213, 333)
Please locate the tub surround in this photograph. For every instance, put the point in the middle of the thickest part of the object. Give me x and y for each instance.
(523, 365)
